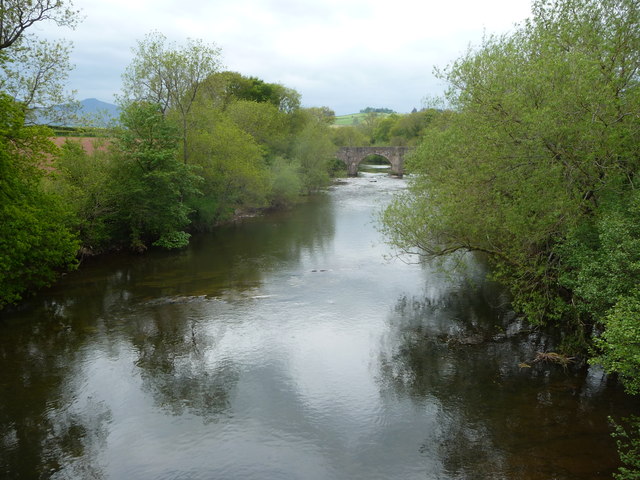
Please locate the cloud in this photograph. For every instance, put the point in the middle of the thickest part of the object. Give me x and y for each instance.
(344, 54)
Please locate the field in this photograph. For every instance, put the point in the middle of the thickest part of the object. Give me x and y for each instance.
(351, 119)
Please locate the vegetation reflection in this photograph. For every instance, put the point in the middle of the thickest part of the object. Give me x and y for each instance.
(471, 359)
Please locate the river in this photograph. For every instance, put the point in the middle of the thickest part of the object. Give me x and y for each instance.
(292, 346)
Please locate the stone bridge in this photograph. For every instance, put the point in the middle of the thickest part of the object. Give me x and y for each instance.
(352, 156)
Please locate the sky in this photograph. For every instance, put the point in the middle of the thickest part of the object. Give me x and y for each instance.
(343, 54)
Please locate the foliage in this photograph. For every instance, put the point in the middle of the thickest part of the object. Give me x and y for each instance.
(382, 128)
(376, 110)
(169, 76)
(602, 269)
(322, 114)
(83, 181)
(543, 132)
(232, 165)
(227, 87)
(314, 151)
(385, 129)
(408, 129)
(352, 119)
(628, 443)
(35, 245)
(244, 143)
(286, 182)
(349, 137)
(148, 182)
(264, 122)
(34, 71)
(17, 16)
(619, 344)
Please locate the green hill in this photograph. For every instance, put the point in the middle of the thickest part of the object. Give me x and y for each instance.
(351, 119)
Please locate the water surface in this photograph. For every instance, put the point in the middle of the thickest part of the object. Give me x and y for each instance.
(291, 346)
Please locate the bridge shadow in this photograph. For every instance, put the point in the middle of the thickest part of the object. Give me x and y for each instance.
(375, 164)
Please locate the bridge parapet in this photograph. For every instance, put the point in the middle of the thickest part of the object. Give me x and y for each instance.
(353, 156)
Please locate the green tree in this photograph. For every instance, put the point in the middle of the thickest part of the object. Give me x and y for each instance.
(32, 70)
(322, 114)
(169, 76)
(601, 267)
(627, 436)
(84, 182)
(314, 150)
(264, 122)
(349, 136)
(224, 88)
(408, 129)
(544, 123)
(35, 243)
(232, 165)
(382, 129)
(148, 180)
(286, 183)
(17, 16)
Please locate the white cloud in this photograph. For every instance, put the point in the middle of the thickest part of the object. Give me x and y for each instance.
(345, 54)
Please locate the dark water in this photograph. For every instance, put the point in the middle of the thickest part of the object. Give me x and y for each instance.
(289, 347)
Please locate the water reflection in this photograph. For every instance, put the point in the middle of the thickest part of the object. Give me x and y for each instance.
(287, 347)
(456, 350)
(44, 431)
(174, 356)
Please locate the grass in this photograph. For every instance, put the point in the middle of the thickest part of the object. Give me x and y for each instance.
(553, 357)
(351, 119)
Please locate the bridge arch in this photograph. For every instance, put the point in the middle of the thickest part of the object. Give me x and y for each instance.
(353, 156)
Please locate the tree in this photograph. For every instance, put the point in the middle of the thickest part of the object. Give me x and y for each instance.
(149, 182)
(84, 182)
(169, 76)
(286, 183)
(376, 110)
(349, 136)
(314, 151)
(322, 114)
(544, 124)
(17, 16)
(382, 128)
(35, 243)
(224, 88)
(232, 165)
(263, 121)
(408, 129)
(35, 71)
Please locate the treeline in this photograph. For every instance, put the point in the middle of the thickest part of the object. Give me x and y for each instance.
(376, 110)
(536, 166)
(194, 147)
(376, 129)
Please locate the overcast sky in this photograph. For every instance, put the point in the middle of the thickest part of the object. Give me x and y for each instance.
(343, 54)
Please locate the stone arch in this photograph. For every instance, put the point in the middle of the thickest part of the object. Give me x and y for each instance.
(379, 158)
(353, 156)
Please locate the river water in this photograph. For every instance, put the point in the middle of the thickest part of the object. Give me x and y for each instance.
(291, 346)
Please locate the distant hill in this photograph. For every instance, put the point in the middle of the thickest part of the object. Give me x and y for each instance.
(92, 112)
(99, 112)
(94, 106)
(353, 118)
